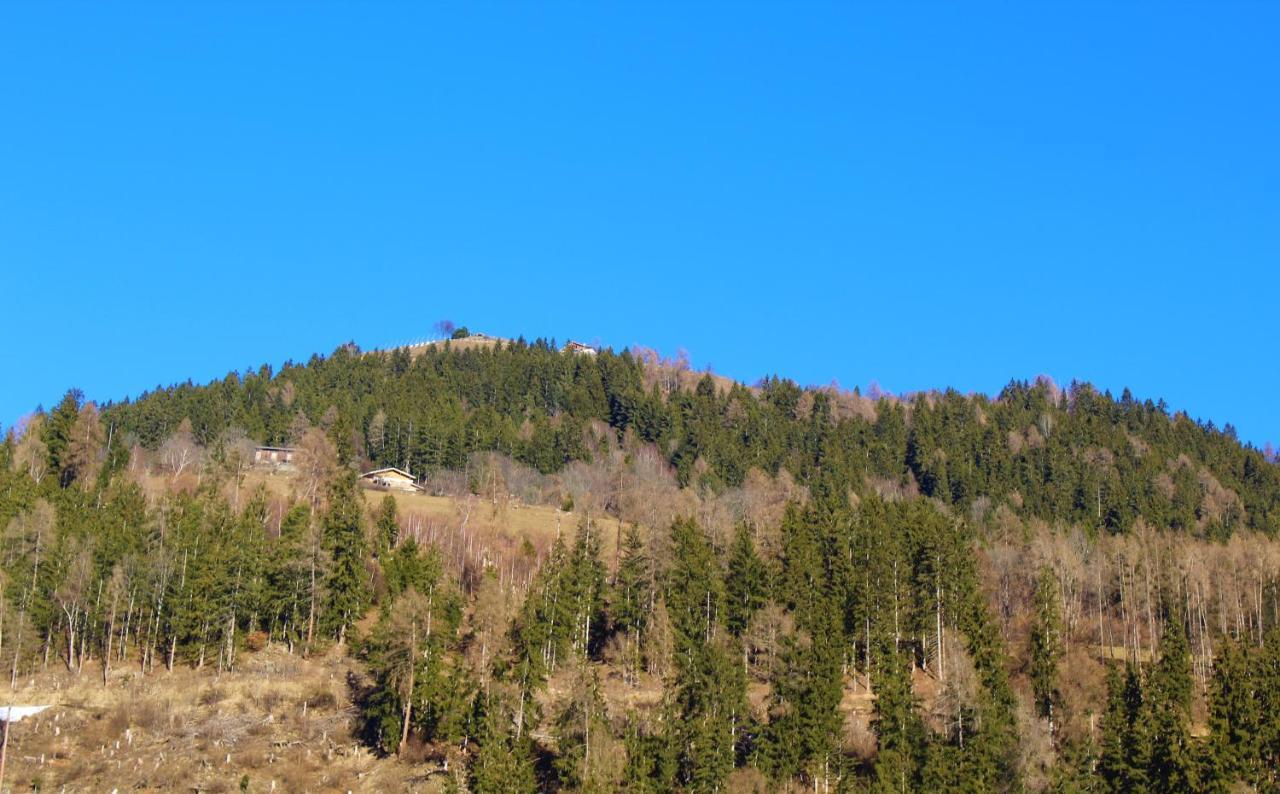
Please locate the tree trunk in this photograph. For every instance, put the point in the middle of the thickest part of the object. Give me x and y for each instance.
(311, 610)
(71, 643)
(408, 700)
(17, 646)
(106, 654)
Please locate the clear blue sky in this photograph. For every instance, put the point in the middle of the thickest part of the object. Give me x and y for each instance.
(916, 195)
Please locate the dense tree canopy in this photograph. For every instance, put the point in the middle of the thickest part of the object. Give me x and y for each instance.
(1077, 455)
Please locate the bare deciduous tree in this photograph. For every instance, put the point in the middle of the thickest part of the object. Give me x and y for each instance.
(180, 451)
(31, 454)
(84, 448)
(377, 433)
(236, 450)
(316, 460)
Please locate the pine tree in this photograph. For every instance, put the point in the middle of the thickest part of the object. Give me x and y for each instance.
(695, 591)
(387, 526)
(710, 710)
(1139, 733)
(1076, 769)
(899, 731)
(1235, 717)
(503, 764)
(631, 597)
(1117, 765)
(746, 583)
(344, 535)
(1045, 641)
(544, 627)
(1173, 758)
(57, 435)
(396, 661)
(583, 589)
(1266, 678)
(709, 699)
(288, 577)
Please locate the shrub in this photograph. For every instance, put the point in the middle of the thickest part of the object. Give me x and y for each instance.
(320, 698)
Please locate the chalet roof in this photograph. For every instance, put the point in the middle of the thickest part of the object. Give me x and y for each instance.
(277, 449)
(387, 470)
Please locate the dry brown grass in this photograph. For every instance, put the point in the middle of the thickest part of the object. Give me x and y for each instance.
(192, 731)
(504, 523)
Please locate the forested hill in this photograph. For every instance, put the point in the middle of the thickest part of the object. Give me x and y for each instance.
(1076, 456)
(622, 575)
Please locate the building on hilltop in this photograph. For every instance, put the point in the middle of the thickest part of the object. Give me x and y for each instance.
(274, 456)
(578, 347)
(390, 479)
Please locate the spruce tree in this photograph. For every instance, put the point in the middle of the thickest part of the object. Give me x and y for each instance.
(899, 731)
(709, 701)
(1116, 763)
(746, 583)
(344, 535)
(1235, 717)
(1266, 677)
(1045, 642)
(1173, 758)
(583, 589)
(57, 435)
(387, 526)
(630, 599)
(503, 764)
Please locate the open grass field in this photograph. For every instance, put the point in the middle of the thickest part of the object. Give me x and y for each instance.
(504, 522)
(504, 519)
(277, 723)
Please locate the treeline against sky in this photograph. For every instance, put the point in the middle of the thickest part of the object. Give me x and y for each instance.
(1077, 455)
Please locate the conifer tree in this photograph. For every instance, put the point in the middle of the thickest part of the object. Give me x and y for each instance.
(746, 583)
(1116, 763)
(1266, 678)
(344, 535)
(290, 575)
(1076, 769)
(586, 751)
(643, 771)
(710, 711)
(1235, 717)
(899, 731)
(387, 526)
(503, 763)
(396, 661)
(584, 589)
(1045, 641)
(709, 699)
(57, 433)
(1174, 763)
(544, 627)
(631, 598)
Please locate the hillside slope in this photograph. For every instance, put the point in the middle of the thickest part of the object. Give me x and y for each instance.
(625, 576)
